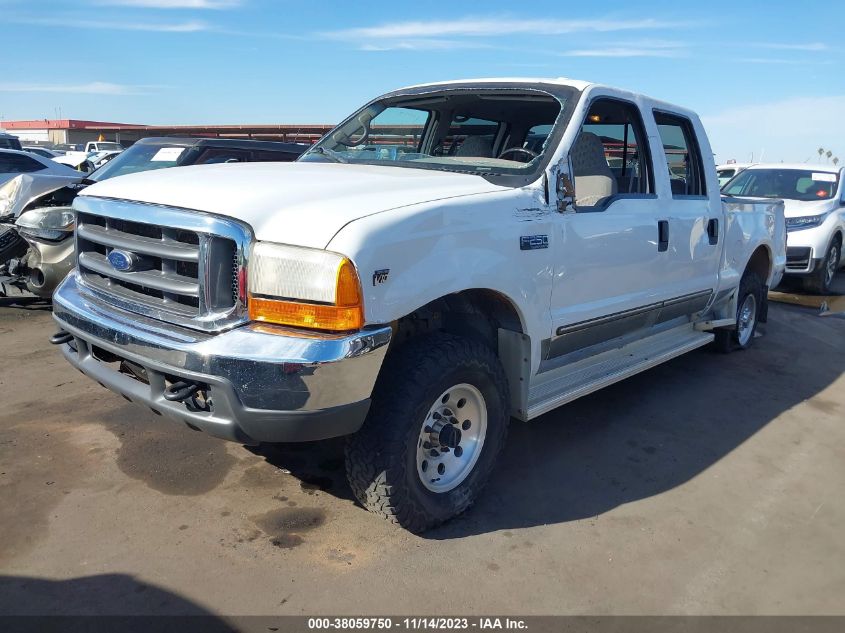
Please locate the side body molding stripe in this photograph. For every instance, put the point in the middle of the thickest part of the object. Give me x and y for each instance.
(577, 336)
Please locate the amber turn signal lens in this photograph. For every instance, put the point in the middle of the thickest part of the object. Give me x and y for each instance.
(307, 315)
(346, 314)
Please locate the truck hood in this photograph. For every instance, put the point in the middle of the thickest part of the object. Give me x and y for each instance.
(296, 203)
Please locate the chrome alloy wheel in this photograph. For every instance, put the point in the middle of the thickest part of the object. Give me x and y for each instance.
(451, 438)
(746, 319)
(832, 265)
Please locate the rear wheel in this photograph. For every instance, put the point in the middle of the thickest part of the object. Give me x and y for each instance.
(749, 306)
(822, 278)
(437, 424)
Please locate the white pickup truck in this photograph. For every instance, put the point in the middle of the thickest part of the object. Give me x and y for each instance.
(450, 256)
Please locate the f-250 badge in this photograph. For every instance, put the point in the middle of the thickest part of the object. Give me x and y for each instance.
(380, 276)
(533, 242)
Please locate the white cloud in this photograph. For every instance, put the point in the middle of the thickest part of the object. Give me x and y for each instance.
(447, 34)
(424, 44)
(788, 130)
(190, 26)
(93, 87)
(644, 48)
(173, 4)
(621, 52)
(812, 46)
(774, 60)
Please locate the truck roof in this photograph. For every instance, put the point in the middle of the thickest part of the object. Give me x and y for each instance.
(539, 82)
(560, 81)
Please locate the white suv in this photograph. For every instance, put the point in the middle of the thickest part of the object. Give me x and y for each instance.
(814, 197)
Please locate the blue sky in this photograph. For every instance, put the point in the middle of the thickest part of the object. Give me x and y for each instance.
(765, 76)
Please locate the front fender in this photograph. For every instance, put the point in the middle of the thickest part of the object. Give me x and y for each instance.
(409, 257)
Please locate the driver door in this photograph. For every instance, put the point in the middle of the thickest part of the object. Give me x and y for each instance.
(607, 277)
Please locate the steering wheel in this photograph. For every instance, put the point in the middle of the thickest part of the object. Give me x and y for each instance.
(530, 153)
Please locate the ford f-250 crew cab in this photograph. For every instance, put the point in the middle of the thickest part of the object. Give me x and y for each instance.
(448, 257)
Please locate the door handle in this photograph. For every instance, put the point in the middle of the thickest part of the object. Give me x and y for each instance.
(662, 235)
(713, 231)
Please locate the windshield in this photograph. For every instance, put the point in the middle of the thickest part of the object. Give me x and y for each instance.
(790, 184)
(141, 157)
(482, 131)
(100, 145)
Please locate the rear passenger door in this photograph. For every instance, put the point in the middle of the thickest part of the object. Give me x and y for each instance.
(694, 215)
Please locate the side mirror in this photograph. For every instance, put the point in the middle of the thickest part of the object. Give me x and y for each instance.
(565, 193)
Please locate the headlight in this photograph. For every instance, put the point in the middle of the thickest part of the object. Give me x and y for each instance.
(304, 287)
(803, 222)
(49, 223)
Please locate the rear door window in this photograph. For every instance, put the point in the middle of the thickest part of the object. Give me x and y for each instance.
(683, 156)
(19, 164)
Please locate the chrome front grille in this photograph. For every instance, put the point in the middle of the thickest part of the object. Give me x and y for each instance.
(186, 267)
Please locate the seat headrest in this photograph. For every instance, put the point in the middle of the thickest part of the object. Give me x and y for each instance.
(475, 146)
(588, 156)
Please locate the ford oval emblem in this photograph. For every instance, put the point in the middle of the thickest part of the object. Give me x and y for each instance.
(122, 261)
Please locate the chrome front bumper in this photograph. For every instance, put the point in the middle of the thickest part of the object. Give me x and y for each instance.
(266, 383)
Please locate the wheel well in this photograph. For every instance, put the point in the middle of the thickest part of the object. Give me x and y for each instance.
(477, 314)
(760, 263)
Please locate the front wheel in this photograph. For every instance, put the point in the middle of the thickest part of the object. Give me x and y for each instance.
(748, 312)
(822, 278)
(437, 424)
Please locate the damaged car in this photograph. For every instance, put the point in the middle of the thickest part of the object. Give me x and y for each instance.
(37, 223)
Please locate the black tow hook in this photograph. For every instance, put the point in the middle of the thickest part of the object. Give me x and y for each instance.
(61, 337)
(181, 391)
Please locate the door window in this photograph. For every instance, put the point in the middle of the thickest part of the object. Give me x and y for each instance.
(264, 156)
(395, 133)
(222, 155)
(18, 164)
(610, 155)
(683, 156)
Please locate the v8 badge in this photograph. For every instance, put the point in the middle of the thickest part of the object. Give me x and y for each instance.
(380, 276)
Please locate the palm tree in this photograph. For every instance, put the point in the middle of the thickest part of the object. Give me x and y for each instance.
(828, 153)
(821, 151)
(835, 161)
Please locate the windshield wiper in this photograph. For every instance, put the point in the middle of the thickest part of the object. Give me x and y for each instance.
(336, 156)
